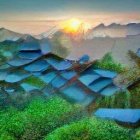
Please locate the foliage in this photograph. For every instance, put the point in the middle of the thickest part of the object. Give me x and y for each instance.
(135, 96)
(119, 100)
(44, 117)
(126, 99)
(6, 136)
(133, 56)
(7, 50)
(35, 81)
(12, 122)
(107, 62)
(137, 135)
(38, 119)
(128, 77)
(90, 129)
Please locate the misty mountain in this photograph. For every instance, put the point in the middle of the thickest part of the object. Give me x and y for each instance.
(97, 47)
(114, 30)
(6, 34)
(48, 34)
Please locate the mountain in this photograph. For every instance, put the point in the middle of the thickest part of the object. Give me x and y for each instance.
(6, 34)
(97, 47)
(48, 34)
(114, 30)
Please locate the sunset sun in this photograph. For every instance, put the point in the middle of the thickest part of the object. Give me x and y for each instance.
(74, 26)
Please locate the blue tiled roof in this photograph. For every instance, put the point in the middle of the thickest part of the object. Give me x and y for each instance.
(122, 115)
(3, 75)
(39, 65)
(106, 73)
(19, 62)
(77, 95)
(88, 78)
(68, 74)
(28, 87)
(100, 84)
(47, 78)
(58, 82)
(59, 65)
(29, 46)
(30, 55)
(16, 77)
(109, 90)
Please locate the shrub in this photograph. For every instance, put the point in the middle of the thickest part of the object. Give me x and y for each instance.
(12, 122)
(45, 116)
(35, 81)
(119, 100)
(107, 62)
(6, 136)
(137, 135)
(135, 96)
(90, 129)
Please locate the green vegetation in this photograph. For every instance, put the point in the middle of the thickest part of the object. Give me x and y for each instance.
(35, 81)
(90, 129)
(137, 135)
(129, 76)
(126, 99)
(119, 100)
(107, 62)
(133, 56)
(38, 119)
(135, 96)
(7, 50)
(56, 119)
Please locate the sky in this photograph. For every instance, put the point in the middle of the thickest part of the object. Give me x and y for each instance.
(22, 15)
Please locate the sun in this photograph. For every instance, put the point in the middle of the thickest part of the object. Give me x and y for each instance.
(74, 26)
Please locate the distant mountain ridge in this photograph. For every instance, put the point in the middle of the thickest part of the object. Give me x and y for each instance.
(114, 30)
(48, 34)
(8, 35)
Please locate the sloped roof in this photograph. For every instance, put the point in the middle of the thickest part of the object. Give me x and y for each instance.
(3, 75)
(121, 115)
(30, 55)
(30, 46)
(58, 82)
(48, 77)
(19, 62)
(68, 74)
(76, 94)
(106, 73)
(37, 66)
(100, 84)
(28, 87)
(16, 77)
